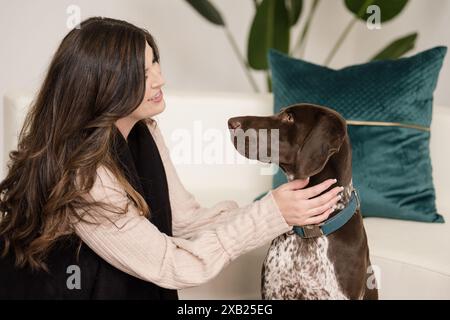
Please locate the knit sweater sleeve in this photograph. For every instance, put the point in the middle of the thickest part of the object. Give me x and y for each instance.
(188, 216)
(134, 245)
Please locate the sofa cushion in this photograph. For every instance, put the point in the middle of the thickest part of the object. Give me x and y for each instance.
(408, 269)
(388, 106)
(408, 242)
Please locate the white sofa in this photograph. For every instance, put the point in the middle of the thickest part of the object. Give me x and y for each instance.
(414, 258)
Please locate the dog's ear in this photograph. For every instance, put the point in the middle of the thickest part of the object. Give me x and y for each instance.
(322, 142)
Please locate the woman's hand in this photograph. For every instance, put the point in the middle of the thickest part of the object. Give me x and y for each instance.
(296, 205)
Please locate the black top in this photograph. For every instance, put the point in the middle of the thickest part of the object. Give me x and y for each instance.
(143, 167)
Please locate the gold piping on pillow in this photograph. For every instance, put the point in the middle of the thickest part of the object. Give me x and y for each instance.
(387, 124)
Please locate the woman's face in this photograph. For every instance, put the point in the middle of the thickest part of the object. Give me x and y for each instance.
(153, 102)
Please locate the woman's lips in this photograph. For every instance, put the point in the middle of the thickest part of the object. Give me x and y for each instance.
(158, 97)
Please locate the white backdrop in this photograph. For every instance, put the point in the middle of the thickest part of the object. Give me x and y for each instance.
(196, 54)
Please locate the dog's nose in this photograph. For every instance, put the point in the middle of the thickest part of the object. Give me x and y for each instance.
(233, 124)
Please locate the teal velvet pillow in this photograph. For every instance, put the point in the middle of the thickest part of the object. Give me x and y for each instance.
(388, 105)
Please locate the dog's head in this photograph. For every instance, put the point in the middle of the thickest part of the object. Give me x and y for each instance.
(308, 135)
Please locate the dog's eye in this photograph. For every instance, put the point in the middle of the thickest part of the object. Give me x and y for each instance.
(288, 117)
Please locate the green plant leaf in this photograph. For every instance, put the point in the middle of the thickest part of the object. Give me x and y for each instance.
(294, 8)
(270, 29)
(397, 48)
(389, 9)
(208, 11)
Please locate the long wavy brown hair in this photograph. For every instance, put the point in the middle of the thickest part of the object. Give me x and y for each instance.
(96, 76)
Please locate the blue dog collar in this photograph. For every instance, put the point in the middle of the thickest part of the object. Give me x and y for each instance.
(331, 225)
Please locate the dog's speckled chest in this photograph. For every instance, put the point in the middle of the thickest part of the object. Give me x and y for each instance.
(297, 268)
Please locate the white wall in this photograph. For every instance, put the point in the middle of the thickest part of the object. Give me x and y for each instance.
(196, 54)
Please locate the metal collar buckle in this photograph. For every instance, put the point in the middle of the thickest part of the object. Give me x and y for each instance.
(312, 231)
(357, 199)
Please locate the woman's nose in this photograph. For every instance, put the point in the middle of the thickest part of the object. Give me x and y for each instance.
(157, 79)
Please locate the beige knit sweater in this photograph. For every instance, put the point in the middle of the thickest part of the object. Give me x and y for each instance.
(205, 239)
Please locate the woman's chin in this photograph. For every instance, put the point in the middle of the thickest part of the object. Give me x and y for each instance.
(157, 108)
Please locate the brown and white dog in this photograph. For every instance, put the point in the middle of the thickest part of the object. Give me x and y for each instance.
(313, 142)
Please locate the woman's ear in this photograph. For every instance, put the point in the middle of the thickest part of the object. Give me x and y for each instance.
(322, 142)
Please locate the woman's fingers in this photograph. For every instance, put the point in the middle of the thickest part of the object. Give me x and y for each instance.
(296, 184)
(319, 218)
(313, 191)
(319, 210)
(305, 206)
(324, 198)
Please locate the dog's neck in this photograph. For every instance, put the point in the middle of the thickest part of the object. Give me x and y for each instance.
(339, 167)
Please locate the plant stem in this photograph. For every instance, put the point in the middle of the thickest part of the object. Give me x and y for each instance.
(346, 31)
(301, 43)
(340, 40)
(241, 59)
(269, 81)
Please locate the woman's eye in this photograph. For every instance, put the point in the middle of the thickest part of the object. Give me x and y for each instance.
(155, 61)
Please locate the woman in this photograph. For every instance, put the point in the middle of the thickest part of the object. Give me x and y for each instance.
(92, 189)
